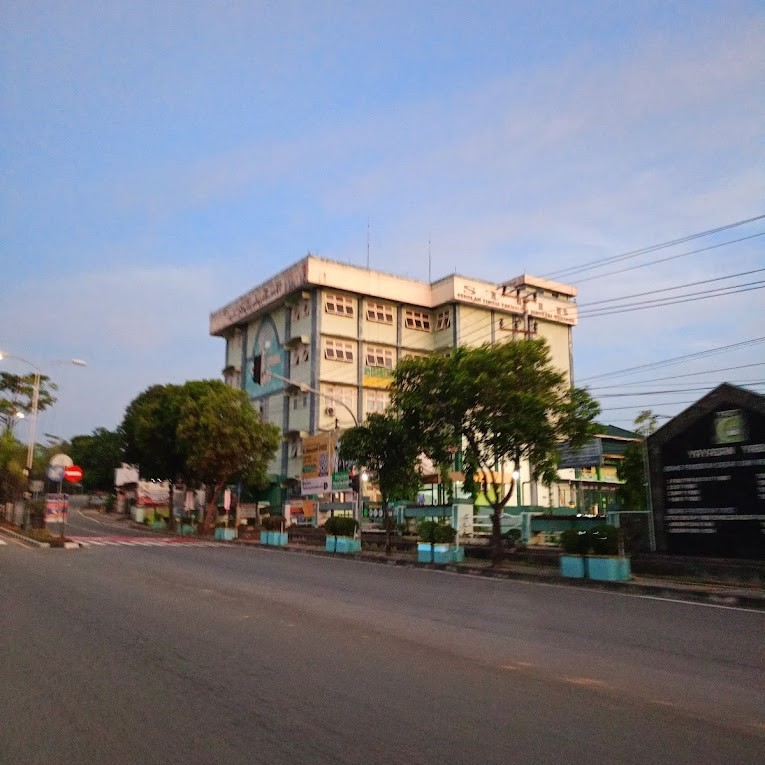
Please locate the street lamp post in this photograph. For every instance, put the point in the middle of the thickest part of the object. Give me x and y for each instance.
(35, 405)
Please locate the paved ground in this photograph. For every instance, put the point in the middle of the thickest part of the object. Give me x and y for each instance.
(224, 654)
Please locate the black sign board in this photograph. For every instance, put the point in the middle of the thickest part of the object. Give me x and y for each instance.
(708, 476)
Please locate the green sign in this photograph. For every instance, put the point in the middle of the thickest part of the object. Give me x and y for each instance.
(341, 482)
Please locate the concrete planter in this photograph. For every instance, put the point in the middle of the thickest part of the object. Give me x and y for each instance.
(225, 535)
(187, 529)
(573, 566)
(439, 553)
(137, 514)
(345, 545)
(609, 568)
(277, 538)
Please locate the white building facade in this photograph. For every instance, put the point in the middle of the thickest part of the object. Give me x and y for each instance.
(338, 329)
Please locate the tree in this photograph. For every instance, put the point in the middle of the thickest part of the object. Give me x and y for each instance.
(98, 454)
(17, 394)
(149, 436)
(501, 405)
(646, 422)
(384, 447)
(223, 439)
(631, 470)
(12, 461)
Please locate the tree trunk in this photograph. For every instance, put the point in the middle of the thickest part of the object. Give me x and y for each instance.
(211, 511)
(497, 553)
(388, 535)
(171, 514)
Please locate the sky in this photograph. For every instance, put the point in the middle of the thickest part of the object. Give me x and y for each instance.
(161, 158)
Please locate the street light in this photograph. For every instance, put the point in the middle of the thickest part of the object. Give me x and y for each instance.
(35, 401)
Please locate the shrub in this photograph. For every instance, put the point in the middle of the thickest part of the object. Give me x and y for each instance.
(604, 540)
(272, 522)
(341, 526)
(575, 542)
(436, 533)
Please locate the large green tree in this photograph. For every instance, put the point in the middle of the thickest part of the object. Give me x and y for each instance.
(98, 454)
(12, 462)
(17, 394)
(501, 405)
(149, 436)
(383, 446)
(223, 439)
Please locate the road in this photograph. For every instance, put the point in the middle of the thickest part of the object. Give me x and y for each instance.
(221, 654)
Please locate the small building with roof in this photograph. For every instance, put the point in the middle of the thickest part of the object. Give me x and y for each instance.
(707, 476)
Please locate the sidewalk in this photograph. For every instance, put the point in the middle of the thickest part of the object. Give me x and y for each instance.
(712, 593)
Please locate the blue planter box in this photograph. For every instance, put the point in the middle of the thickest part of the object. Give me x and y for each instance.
(440, 553)
(609, 568)
(264, 537)
(346, 545)
(225, 535)
(186, 529)
(572, 566)
(159, 525)
(277, 538)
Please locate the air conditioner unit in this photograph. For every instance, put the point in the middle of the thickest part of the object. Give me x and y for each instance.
(330, 411)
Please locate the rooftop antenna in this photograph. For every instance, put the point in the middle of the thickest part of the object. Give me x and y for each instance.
(429, 261)
(367, 243)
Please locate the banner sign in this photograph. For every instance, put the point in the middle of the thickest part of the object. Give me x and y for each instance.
(56, 506)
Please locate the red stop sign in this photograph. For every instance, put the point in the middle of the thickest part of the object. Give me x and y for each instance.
(73, 473)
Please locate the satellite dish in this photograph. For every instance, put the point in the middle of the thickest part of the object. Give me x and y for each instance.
(61, 460)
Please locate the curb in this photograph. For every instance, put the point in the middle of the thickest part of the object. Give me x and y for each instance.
(24, 540)
(663, 591)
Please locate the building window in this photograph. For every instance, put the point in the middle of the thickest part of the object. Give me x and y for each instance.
(337, 350)
(340, 305)
(300, 401)
(295, 450)
(380, 313)
(376, 401)
(379, 357)
(443, 320)
(339, 395)
(414, 355)
(300, 356)
(417, 320)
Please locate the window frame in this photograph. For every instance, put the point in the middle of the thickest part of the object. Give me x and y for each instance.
(413, 318)
(334, 301)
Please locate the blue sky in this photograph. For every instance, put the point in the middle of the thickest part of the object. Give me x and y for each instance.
(159, 159)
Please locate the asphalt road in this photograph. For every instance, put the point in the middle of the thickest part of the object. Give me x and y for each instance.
(189, 654)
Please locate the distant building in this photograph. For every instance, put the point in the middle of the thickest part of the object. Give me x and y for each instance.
(592, 472)
(707, 468)
(331, 334)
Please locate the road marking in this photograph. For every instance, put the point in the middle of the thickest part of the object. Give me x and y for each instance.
(589, 682)
(116, 541)
(693, 603)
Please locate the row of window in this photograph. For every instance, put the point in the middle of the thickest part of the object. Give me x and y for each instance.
(340, 350)
(341, 305)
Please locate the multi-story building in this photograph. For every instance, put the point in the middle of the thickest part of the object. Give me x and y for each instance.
(330, 335)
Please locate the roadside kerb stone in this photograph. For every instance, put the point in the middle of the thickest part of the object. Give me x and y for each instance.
(23, 539)
(713, 594)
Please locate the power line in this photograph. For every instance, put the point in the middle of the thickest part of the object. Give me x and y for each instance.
(671, 257)
(663, 392)
(687, 374)
(670, 289)
(664, 302)
(678, 359)
(562, 273)
(675, 386)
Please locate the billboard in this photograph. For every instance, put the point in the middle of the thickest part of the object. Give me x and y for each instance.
(318, 459)
(708, 480)
(590, 455)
